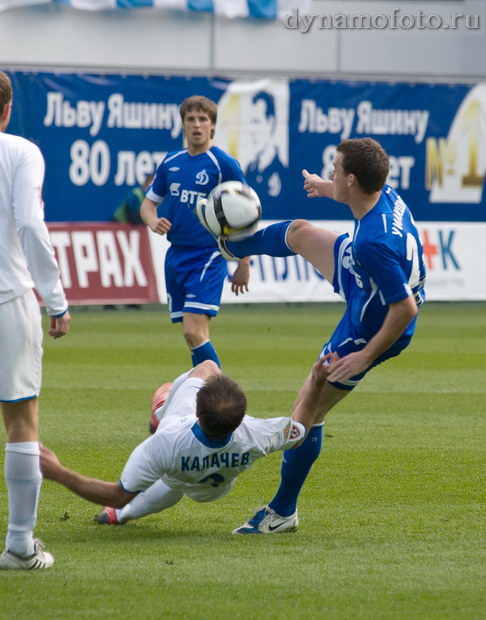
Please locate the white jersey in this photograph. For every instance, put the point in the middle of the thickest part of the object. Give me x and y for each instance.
(186, 460)
(26, 255)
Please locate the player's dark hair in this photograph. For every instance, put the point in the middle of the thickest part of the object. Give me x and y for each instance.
(199, 103)
(220, 406)
(367, 160)
(5, 91)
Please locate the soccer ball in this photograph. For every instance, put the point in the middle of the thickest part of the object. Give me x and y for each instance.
(232, 211)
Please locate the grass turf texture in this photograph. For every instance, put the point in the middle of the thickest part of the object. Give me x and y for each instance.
(391, 523)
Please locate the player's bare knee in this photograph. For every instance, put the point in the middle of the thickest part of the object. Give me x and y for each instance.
(205, 369)
(192, 336)
(210, 367)
(296, 235)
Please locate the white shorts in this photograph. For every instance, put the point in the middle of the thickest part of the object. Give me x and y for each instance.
(20, 348)
(182, 402)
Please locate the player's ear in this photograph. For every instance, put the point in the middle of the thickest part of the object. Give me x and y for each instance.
(5, 116)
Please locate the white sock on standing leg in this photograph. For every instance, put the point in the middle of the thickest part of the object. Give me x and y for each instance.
(24, 479)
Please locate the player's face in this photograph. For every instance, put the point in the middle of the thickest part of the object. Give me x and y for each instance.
(198, 128)
(340, 179)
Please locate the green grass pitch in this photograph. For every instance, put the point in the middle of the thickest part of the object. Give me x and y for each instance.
(392, 515)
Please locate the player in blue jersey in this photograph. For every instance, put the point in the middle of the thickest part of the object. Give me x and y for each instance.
(379, 272)
(194, 268)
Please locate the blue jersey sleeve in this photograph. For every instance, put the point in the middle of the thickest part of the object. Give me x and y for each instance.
(384, 267)
(231, 170)
(159, 185)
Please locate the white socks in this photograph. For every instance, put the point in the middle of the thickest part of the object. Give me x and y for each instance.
(156, 498)
(24, 479)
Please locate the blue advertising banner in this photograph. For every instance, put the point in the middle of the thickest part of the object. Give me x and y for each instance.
(102, 135)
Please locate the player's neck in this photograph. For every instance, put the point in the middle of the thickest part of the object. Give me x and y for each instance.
(216, 438)
(361, 204)
(194, 150)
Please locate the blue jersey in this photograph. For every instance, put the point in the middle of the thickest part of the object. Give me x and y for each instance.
(180, 180)
(387, 261)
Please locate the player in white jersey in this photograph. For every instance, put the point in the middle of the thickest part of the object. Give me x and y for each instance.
(380, 274)
(203, 442)
(26, 260)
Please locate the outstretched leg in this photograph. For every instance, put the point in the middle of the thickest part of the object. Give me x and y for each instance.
(289, 238)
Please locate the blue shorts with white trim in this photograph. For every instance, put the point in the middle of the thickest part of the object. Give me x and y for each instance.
(346, 338)
(194, 279)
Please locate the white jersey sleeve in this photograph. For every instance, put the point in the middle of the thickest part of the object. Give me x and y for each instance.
(33, 234)
(27, 253)
(271, 434)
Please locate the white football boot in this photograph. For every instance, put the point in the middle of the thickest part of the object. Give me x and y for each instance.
(40, 559)
(267, 521)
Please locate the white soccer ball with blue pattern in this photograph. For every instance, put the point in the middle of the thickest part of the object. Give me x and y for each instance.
(231, 211)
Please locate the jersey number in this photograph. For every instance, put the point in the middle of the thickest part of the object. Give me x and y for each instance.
(413, 256)
(217, 479)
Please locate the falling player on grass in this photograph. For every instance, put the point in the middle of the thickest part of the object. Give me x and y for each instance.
(203, 442)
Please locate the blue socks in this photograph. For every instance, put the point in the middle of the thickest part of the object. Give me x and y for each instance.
(296, 465)
(270, 240)
(204, 352)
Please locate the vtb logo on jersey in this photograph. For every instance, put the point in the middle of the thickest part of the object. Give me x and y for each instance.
(174, 189)
(202, 178)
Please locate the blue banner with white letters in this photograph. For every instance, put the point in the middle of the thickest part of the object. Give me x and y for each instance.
(101, 135)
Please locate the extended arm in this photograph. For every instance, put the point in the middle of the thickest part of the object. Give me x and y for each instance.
(92, 489)
(148, 213)
(317, 187)
(399, 316)
(241, 277)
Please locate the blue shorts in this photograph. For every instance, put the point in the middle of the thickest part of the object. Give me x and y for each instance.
(346, 339)
(194, 279)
